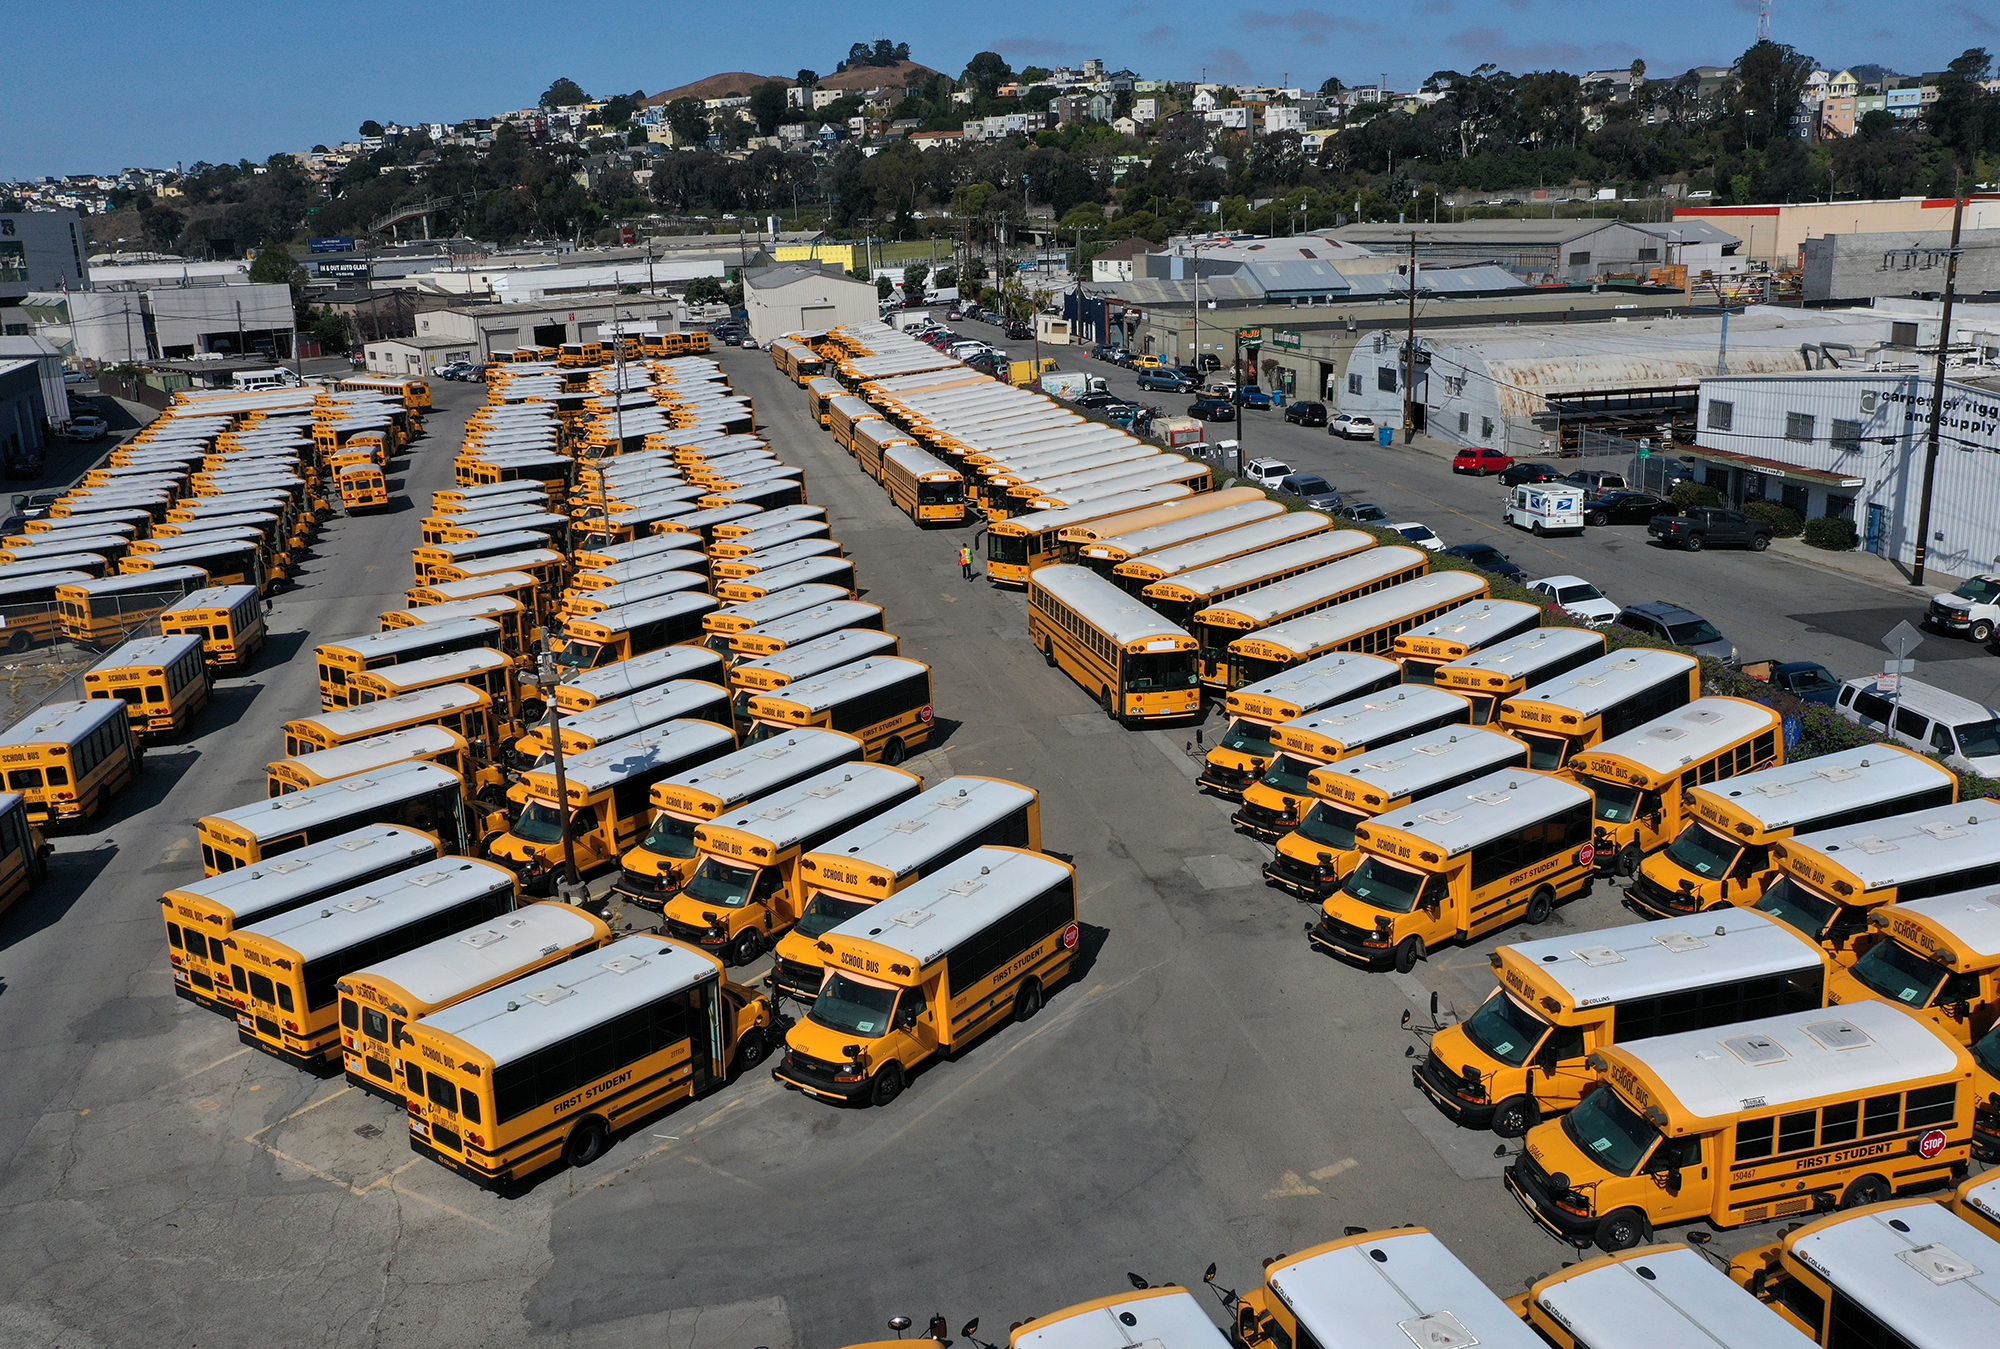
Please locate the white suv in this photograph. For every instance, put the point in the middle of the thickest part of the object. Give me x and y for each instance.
(1267, 473)
(1971, 611)
(1579, 599)
(1351, 427)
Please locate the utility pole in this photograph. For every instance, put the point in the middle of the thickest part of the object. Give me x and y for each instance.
(570, 875)
(1937, 397)
(1410, 354)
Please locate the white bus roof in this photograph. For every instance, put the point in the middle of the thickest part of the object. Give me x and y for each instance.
(1788, 795)
(641, 589)
(214, 597)
(620, 717)
(821, 654)
(638, 569)
(551, 1005)
(450, 966)
(1481, 622)
(1776, 1061)
(766, 537)
(1664, 1299)
(954, 902)
(1970, 917)
(610, 762)
(778, 554)
(1322, 681)
(1903, 848)
(635, 615)
(378, 751)
(64, 722)
(385, 712)
(1391, 1289)
(1104, 606)
(848, 682)
(794, 574)
(1215, 577)
(339, 922)
(917, 463)
(1928, 1276)
(1049, 521)
(475, 587)
(1502, 803)
(651, 546)
(1642, 960)
(1520, 657)
(281, 815)
(507, 562)
(644, 672)
(805, 809)
(816, 621)
(1201, 525)
(791, 600)
(142, 580)
(481, 546)
(422, 674)
(482, 607)
(1266, 603)
(902, 839)
(1688, 735)
(1359, 721)
(376, 645)
(1409, 769)
(1161, 1319)
(150, 651)
(1589, 689)
(1362, 614)
(753, 770)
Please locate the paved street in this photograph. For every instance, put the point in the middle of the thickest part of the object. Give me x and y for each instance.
(1206, 1089)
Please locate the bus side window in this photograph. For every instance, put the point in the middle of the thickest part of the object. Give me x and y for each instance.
(1754, 1139)
(1931, 1106)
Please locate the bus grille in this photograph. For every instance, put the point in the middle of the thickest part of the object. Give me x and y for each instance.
(1261, 818)
(1290, 868)
(797, 977)
(1657, 897)
(686, 932)
(641, 884)
(1446, 1078)
(818, 1072)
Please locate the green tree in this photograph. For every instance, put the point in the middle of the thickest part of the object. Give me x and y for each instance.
(687, 121)
(330, 329)
(705, 290)
(564, 93)
(808, 78)
(1770, 85)
(884, 288)
(371, 127)
(621, 108)
(914, 277)
(768, 105)
(163, 224)
(1965, 116)
(986, 72)
(1034, 74)
(274, 265)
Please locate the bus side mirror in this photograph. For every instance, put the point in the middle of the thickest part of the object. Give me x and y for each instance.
(1545, 1057)
(1674, 1181)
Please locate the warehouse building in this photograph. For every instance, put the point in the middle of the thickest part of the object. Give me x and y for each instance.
(475, 331)
(1551, 252)
(1857, 267)
(165, 322)
(795, 297)
(41, 250)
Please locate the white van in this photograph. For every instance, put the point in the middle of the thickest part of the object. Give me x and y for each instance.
(1928, 720)
(1546, 508)
(278, 378)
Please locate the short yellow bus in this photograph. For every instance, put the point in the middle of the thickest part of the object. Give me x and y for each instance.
(1138, 666)
(1243, 749)
(929, 492)
(1495, 673)
(163, 682)
(582, 732)
(884, 702)
(417, 796)
(342, 662)
(99, 614)
(664, 550)
(466, 711)
(69, 759)
(431, 744)
(1458, 633)
(518, 586)
(29, 607)
(1179, 597)
(362, 489)
(745, 565)
(815, 571)
(721, 625)
(200, 914)
(378, 1004)
(758, 540)
(1015, 547)
(434, 562)
(765, 674)
(291, 963)
(1596, 701)
(24, 857)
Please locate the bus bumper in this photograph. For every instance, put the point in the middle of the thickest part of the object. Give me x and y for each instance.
(315, 1063)
(1337, 939)
(816, 1084)
(1465, 1114)
(1650, 900)
(1534, 1201)
(1294, 878)
(483, 1179)
(1986, 1134)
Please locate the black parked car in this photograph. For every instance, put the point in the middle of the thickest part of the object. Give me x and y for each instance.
(1520, 473)
(1212, 409)
(1488, 558)
(1020, 332)
(1306, 414)
(1626, 508)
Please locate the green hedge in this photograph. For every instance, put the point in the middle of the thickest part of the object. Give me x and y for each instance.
(1785, 522)
(1688, 495)
(1836, 536)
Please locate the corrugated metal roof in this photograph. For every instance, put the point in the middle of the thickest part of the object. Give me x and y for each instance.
(1439, 281)
(1479, 232)
(1153, 290)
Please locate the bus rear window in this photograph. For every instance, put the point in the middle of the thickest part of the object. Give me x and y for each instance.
(24, 779)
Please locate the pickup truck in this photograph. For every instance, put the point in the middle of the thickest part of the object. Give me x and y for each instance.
(1697, 528)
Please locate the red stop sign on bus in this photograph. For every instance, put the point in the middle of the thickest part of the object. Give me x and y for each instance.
(1069, 937)
(1931, 1144)
(1586, 855)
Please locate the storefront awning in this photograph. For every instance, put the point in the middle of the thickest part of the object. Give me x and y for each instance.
(1770, 468)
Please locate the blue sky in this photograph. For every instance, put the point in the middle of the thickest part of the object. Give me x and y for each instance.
(127, 82)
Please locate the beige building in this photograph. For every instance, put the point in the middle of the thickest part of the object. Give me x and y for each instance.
(1777, 234)
(795, 297)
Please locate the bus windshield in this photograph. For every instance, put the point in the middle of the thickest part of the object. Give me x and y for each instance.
(1794, 904)
(1158, 670)
(1011, 548)
(1703, 852)
(717, 882)
(826, 911)
(1330, 826)
(853, 1008)
(539, 823)
(1384, 885)
(1986, 1051)
(580, 655)
(1288, 774)
(1615, 804)
(1899, 974)
(671, 837)
(1247, 737)
(1611, 1132)
(1506, 1030)
(940, 494)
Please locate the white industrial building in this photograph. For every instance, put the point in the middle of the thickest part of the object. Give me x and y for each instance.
(793, 298)
(166, 322)
(474, 332)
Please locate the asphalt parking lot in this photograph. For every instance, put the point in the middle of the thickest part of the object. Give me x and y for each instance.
(1207, 1088)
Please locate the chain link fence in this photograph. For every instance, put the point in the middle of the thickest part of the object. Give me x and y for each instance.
(1646, 464)
(41, 664)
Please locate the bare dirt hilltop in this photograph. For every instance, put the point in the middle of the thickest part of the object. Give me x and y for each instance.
(735, 83)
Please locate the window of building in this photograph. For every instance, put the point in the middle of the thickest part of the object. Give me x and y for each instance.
(1649, 255)
(1464, 422)
(1579, 259)
(1845, 436)
(1486, 428)
(1793, 497)
(1385, 378)
(1354, 384)
(1799, 426)
(1839, 507)
(1902, 334)
(1721, 415)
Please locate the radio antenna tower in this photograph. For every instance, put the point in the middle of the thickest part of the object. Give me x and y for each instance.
(1763, 20)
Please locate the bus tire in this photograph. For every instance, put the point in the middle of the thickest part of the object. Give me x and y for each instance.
(1028, 1001)
(20, 641)
(1049, 652)
(750, 1051)
(586, 1142)
(1628, 860)
(888, 1084)
(1108, 703)
(1870, 1189)
(1516, 1115)
(1408, 954)
(1622, 1230)
(1542, 907)
(747, 947)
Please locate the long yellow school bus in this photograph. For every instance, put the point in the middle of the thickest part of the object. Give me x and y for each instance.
(835, 571)
(522, 1077)
(1493, 674)
(99, 614)
(69, 759)
(768, 639)
(417, 796)
(430, 744)
(1261, 631)
(378, 1003)
(28, 605)
(926, 490)
(293, 962)
(201, 914)
(752, 676)
(1458, 864)
(163, 682)
(721, 625)
(1458, 633)
(228, 619)
(998, 930)
(341, 662)
(1722, 855)
(1105, 555)
(1137, 665)
(466, 711)
(1741, 1123)
(1243, 749)
(1594, 702)
(1028, 542)
(884, 702)
(620, 634)
(24, 857)
(518, 630)
(1643, 779)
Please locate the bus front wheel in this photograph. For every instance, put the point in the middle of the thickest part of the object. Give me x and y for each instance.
(747, 948)
(585, 1143)
(1516, 1115)
(1623, 1230)
(1542, 907)
(1867, 1190)
(1408, 954)
(888, 1084)
(1628, 860)
(20, 640)
(892, 753)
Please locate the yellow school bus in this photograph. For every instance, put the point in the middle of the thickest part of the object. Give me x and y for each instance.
(362, 489)
(1136, 665)
(163, 682)
(24, 857)
(590, 603)
(1243, 750)
(417, 796)
(1495, 673)
(758, 540)
(379, 1003)
(517, 633)
(1500, 848)
(545, 565)
(929, 492)
(1938, 957)
(622, 679)
(885, 702)
(99, 614)
(415, 393)
(293, 961)
(720, 626)
(999, 929)
(458, 708)
(228, 619)
(1642, 779)
(342, 663)
(1741, 1123)
(30, 609)
(69, 759)
(1723, 854)
(499, 1103)
(1594, 702)
(518, 586)
(1260, 632)
(430, 744)
(433, 562)
(620, 634)
(834, 571)
(1650, 1296)
(1033, 540)
(1458, 633)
